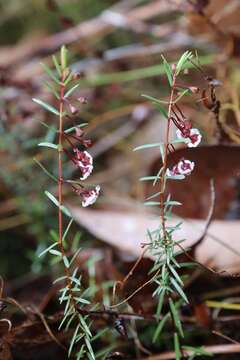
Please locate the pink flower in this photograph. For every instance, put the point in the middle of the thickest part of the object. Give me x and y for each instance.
(84, 161)
(73, 109)
(183, 167)
(89, 196)
(193, 135)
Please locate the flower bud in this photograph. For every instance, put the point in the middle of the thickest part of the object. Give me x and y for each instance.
(194, 89)
(82, 100)
(73, 109)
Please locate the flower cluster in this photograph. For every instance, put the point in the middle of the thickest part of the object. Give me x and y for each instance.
(183, 167)
(84, 162)
(89, 196)
(193, 137)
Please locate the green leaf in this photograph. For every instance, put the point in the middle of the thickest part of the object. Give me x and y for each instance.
(89, 346)
(149, 235)
(183, 140)
(71, 90)
(154, 100)
(45, 170)
(176, 318)
(66, 315)
(176, 177)
(81, 352)
(66, 262)
(82, 301)
(181, 95)
(52, 128)
(85, 326)
(73, 340)
(49, 145)
(75, 256)
(162, 110)
(158, 104)
(63, 56)
(55, 252)
(99, 334)
(67, 229)
(158, 176)
(67, 308)
(71, 129)
(168, 70)
(162, 152)
(52, 90)
(175, 274)
(75, 242)
(61, 278)
(172, 203)
(153, 196)
(160, 302)
(50, 74)
(55, 201)
(57, 66)
(160, 327)
(47, 249)
(68, 79)
(54, 235)
(152, 203)
(70, 321)
(146, 146)
(46, 106)
(149, 178)
(179, 289)
(183, 60)
(177, 347)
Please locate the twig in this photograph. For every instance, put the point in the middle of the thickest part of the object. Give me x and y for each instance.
(209, 217)
(214, 349)
(225, 337)
(136, 291)
(49, 331)
(133, 268)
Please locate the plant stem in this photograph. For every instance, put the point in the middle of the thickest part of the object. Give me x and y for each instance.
(162, 182)
(60, 174)
(60, 183)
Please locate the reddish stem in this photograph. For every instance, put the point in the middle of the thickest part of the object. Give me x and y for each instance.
(60, 173)
(60, 183)
(162, 182)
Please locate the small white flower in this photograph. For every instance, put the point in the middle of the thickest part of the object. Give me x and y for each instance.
(195, 138)
(185, 167)
(90, 196)
(86, 158)
(84, 162)
(86, 171)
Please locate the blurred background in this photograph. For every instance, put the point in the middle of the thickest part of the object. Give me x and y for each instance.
(116, 48)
